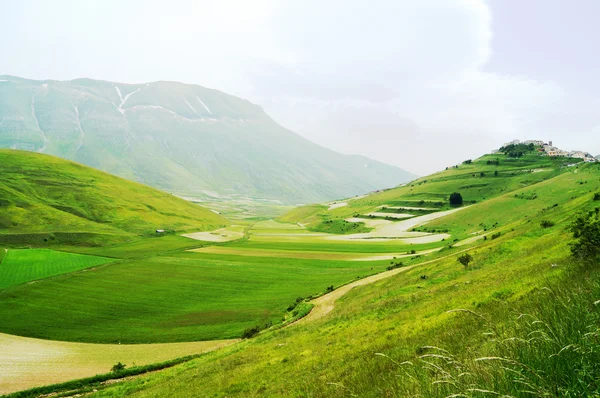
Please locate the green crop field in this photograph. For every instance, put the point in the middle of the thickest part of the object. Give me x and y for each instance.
(179, 297)
(20, 266)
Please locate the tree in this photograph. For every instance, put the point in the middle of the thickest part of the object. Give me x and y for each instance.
(465, 259)
(586, 231)
(496, 173)
(456, 199)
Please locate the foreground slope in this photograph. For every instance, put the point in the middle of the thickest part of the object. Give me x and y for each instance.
(181, 138)
(46, 200)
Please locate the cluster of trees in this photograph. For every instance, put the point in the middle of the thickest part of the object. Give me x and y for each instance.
(518, 150)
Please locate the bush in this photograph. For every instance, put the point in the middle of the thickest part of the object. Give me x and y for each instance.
(597, 196)
(586, 231)
(250, 332)
(496, 235)
(546, 224)
(394, 266)
(456, 199)
(118, 367)
(465, 259)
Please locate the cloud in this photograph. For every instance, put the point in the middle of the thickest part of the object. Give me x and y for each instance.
(402, 82)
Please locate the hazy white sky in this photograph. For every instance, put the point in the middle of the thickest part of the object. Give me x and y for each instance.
(418, 84)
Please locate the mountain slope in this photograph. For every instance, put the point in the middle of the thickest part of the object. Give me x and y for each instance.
(182, 138)
(46, 198)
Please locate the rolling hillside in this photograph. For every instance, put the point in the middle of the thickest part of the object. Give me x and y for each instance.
(520, 319)
(47, 200)
(181, 138)
(477, 181)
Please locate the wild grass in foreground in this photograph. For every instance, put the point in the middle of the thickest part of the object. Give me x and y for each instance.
(550, 346)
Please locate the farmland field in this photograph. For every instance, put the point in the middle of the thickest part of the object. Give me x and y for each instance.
(26, 265)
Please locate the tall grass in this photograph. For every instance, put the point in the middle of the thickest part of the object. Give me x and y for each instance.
(549, 347)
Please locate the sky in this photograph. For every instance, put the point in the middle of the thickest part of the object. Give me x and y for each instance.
(418, 84)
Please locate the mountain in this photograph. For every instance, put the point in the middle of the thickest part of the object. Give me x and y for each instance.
(47, 199)
(182, 138)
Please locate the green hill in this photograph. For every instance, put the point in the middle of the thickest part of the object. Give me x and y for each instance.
(180, 138)
(46, 200)
(476, 180)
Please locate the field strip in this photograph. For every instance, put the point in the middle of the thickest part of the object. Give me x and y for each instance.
(27, 362)
(390, 215)
(220, 235)
(407, 208)
(385, 229)
(333, 206)
(324, 305)
(315, 255)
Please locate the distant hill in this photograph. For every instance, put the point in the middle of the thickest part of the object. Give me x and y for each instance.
(181, 138)
(47, 199)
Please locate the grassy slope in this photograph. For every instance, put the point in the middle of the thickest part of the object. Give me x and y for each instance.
(428, 192)
(45, 200)
(20, 266)
(337, 356)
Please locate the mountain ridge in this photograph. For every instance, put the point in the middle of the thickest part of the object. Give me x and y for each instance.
(182, 138)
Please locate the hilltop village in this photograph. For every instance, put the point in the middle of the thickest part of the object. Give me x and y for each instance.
(546, 148)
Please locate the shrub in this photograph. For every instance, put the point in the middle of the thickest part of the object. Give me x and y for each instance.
(597, 196)
(546, 224)
(250, 332)
(118, 367)
(456, 199)
(586, 231)
(465, 259)
(496, 235)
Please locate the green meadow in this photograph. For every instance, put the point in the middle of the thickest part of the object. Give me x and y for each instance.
(26, 265)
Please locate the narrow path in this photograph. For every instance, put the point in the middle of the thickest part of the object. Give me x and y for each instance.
(325, 304)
